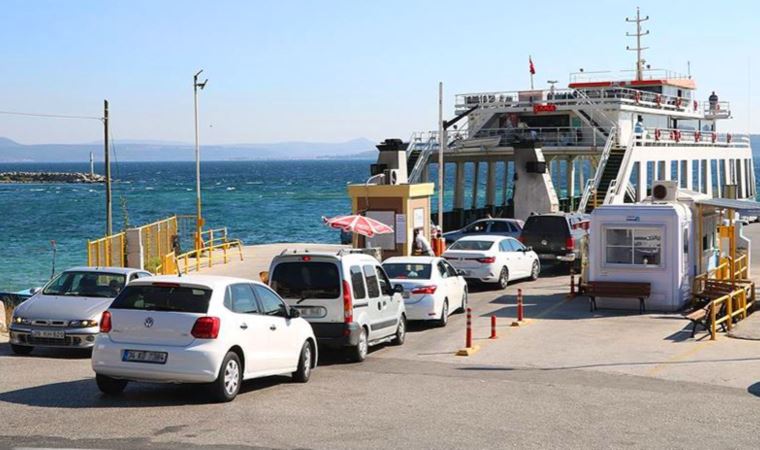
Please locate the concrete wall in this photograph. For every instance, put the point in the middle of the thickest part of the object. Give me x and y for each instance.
(533, 192)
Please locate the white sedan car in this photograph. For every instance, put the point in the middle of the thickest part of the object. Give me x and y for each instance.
(433, 289)
(493, 259)
(200, 329)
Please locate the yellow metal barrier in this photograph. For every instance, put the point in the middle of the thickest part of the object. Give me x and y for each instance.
(214, 236)
(206, 256)
(168, 265)
(157, 240)
(737, 304)
(109, 251)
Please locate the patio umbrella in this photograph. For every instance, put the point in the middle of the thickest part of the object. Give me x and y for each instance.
(358, 224)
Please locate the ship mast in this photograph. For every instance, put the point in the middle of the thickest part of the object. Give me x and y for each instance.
(638, 48)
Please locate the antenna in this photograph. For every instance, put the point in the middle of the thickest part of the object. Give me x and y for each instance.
(638, 34)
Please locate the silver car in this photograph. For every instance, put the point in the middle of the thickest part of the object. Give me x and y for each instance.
(65, 313)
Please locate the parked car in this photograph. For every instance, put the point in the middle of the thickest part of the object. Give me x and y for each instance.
(65, 313)
(200, 329)
(556, 237)
(346, 296)
(497, 227)
(493, 259)
(433, 289)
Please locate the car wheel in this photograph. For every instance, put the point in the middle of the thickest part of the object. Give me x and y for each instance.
(535, 271)
(464, 301)
(400, 332)
(444, 314)
(110, 386)
(503, 278)
(21, 349)
(227, 384)
(358, 352)
(304, 364)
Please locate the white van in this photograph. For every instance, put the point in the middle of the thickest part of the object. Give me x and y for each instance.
(346, 296)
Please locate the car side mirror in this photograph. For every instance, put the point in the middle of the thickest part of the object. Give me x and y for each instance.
(460, 272)
(528, 249)
(35, 290)
(398, 289)
(293, 313)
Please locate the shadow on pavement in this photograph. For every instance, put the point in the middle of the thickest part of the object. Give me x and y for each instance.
(755, 386)
(85, 394)
(754, 389)
(54, 353)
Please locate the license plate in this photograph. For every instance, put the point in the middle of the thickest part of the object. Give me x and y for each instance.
(50, 334)
(144, 356)
(547, 256)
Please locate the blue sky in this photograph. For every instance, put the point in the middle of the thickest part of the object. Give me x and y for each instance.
(335, 70)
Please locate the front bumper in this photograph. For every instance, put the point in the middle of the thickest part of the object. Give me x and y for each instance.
(193, 364)
(73, 337)
(336, 334)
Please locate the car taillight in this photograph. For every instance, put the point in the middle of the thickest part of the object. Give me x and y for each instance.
(570, 243)
(487, 260)
(348, 304)
(105, 322)
(521, 239)
(425, 289)
(206, 328)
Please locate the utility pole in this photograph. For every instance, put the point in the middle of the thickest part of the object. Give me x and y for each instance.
(199, 217)
(638, 34)
(441, 148)
(107, 160)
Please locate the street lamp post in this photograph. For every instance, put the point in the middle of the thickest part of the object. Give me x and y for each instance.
(198, 218)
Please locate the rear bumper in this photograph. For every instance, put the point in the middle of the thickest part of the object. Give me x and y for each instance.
(336, 334)
(423, 309)
(565, 257)
(192, 364)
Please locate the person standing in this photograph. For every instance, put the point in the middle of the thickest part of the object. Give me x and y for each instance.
(421, 244)
(713, 99)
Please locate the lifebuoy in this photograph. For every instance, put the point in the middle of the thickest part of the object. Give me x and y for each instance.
(714, 137)
(728, 138)
(658, 99)
(697, 136)
(657, 134)
(678, 102)
(696, 105)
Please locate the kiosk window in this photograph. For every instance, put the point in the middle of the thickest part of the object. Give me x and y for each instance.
(633, 246)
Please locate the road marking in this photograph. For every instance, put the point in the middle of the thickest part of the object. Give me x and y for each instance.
(679, 357)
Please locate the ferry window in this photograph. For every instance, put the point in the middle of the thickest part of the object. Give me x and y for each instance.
(704, 178)
(683, 179)
(633, 246)
(714, 178)
(722, 168)
(695, 180)
(673, 170)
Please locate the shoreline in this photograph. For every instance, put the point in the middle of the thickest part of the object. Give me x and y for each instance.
(50, 177)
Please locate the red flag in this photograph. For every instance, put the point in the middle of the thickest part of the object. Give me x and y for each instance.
(531, 67)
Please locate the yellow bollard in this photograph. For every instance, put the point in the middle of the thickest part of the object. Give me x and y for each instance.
(224, 249)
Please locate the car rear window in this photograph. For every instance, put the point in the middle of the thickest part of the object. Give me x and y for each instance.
(400, 271)
(306, 280)
(546, 225)
(471, 245)
(163, 298)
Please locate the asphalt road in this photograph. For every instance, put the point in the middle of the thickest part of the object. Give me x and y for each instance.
(395, 399)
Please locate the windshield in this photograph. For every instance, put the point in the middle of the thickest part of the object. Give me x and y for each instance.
(471, 245)
(306, 280)
(163, 298)
(86, 284)
(408, 271)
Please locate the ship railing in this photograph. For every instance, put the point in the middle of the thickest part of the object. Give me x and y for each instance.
(207, 256)
(625, 75)
(611, 139)
(716, 110)
(671, 137)
(573, 97)
(549, 136)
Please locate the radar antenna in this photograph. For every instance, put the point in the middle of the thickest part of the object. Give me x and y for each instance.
(639, 61)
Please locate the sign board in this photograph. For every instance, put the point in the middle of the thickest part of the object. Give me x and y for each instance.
(384, 241)
(400, 228)
(419, 218)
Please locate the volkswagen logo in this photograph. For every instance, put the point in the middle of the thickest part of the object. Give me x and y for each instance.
(544, 242)
(148, 322)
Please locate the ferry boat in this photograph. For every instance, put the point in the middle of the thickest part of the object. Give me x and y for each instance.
(606, 139)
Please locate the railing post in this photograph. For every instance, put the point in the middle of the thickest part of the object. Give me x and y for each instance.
(730, 310)
(712, 321)
(224, 249)
(210, 256)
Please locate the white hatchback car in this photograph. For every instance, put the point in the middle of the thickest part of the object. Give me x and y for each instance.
(200, 329)
(493, 259)
(433, 289)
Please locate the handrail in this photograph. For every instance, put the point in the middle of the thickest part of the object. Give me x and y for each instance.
(587, 190)
(625, 75)
(207, 253)
(100, 251)
(620, 180)
(429, 144)
(680, 137)
(599, 170)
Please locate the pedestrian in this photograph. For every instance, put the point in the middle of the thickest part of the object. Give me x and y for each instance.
(421, 244)
(713, 99)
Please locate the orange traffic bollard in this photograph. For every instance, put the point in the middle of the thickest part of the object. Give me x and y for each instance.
(572, 284)
(468, 333)
(519, 305)
(493, 328)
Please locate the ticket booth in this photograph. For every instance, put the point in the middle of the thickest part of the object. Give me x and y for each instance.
(404, 207)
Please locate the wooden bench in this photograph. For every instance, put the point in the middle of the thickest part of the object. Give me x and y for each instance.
(617, 289)
(702, 315)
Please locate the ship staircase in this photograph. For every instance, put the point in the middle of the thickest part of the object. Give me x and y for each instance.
(421, 146)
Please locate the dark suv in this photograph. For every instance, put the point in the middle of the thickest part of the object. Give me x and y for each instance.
(556, 237)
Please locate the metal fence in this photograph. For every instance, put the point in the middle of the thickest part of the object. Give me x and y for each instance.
(158, 240)
(109, 251)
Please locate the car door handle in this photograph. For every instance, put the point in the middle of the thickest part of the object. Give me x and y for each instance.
(244, 326)
(272, 327)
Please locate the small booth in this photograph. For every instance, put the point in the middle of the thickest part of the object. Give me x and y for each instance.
(404, 207)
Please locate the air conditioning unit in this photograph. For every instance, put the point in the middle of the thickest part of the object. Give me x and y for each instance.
(664, 191)
(393, 176)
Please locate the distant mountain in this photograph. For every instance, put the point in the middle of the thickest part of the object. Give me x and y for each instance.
(130, 150)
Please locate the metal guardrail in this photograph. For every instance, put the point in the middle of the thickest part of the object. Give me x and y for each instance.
(678, 137)
(107, 251)
(205, 256)
(625, 75)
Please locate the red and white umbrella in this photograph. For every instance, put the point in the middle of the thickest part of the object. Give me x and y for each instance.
(358, 224)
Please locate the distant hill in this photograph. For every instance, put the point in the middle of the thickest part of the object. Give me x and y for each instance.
(11, 151)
